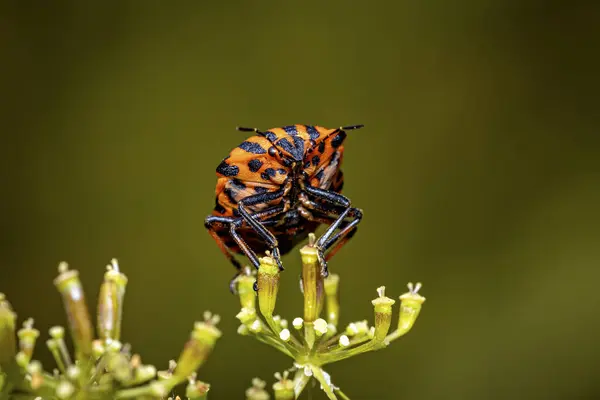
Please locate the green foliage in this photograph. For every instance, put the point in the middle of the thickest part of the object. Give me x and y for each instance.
(102, 367)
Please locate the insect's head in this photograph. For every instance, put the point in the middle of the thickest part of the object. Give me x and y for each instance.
(292, 148)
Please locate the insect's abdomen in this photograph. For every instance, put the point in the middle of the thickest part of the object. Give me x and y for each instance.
(230, 191)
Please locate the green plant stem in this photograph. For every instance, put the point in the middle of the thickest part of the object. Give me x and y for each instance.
(343, 353)
(331, 345)
(270, 340)
(134, 392)
(309, 334)
(395, 335)
(318, 374)
(58, 359)
(300, 381)
(341, 394)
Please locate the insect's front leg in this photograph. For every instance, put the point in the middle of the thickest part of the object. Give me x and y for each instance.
(251, 220)
(332, 203)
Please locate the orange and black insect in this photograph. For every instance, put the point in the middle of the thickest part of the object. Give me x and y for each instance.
(278, 186)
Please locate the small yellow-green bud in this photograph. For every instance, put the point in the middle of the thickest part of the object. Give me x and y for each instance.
(285, 335)
(27, 337)
(97, 348)
(73, 373)
(71, 290)
(22, 359)
(197, 389)
(246, 316)
(245, 288)
(312, 281)
(256, 326)
(119, 366)
(243, 330)
(110, 302)
(284, 387)
(57, 332)
(65, 389)
(410, 307)
(34, 369)
(297, 323)
(371, 333)
(357, 328)
(344, 341)
(320, 326)
(144, 373)
(8, 344)
(113, 345)
(383, 314)
(168, 373)
(268, 285)
(202, 341)
(257, 391)
(331, 298)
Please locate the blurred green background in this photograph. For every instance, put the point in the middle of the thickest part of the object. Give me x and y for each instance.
(478, 172)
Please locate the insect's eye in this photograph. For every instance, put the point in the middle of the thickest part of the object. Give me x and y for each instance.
(272, 151)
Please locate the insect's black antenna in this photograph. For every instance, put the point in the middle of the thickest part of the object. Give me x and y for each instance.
(244, 129)
(351, 127)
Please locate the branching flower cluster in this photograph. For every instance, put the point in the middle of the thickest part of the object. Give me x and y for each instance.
(311, 341)
(102, 367)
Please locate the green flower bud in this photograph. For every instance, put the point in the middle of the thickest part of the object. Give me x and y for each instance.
(257, 391)
(144, 373)
(70, 288)
(245, 289)
(62, 357)
(27, 338)
(312, 281)
(268, 285)
(246, 316)
(110, 303)
(383, 314)
(320, 326)
(34, 369)
(284, 387)
(357, 328)
(65, 389)
(196, 389)
(410, 307)
(196, 350)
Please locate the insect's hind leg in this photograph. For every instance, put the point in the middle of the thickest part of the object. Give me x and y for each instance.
(210, 224)
(337, 241)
